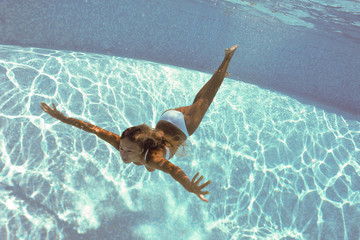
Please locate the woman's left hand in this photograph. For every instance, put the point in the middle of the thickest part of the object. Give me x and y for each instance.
(197, 189)
(52, 111)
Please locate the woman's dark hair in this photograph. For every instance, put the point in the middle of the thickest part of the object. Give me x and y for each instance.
(145, 136)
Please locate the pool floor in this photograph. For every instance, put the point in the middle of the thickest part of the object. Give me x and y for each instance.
(279, 169)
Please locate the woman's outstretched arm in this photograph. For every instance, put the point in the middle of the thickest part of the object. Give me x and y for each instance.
(105, 135)
(178, 174)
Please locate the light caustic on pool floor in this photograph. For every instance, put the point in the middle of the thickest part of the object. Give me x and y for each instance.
(278, 168)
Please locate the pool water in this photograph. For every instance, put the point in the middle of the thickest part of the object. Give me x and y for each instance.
(280, 169)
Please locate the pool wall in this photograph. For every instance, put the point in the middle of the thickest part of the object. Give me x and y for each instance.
(303, 62)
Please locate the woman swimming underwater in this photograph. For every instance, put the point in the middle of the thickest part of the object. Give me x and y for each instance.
(153, 148)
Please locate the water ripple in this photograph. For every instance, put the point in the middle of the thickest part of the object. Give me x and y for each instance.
(279, 168)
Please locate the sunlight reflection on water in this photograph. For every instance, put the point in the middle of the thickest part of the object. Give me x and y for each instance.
(278, 168)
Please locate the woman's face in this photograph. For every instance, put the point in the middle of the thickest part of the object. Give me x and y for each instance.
(130, 151)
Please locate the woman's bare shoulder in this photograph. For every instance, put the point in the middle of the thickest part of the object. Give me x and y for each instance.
(137, 163)
(154, 154)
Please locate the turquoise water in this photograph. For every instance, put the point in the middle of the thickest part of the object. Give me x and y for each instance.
(279, 169)
(336, 16)
(304, 49)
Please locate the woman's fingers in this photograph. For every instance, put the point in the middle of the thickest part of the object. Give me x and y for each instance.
(197, 189)
(199, 180)
(202, 198)
(197, 174)
(205, 184)
(51, 111)
(44, 107)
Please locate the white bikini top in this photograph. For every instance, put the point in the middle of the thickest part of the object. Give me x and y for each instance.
(166, 157)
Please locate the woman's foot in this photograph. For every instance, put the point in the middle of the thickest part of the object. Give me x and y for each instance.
(230, 51)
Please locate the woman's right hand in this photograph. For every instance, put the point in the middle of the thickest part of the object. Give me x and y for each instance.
(52, 111)
(195, 188)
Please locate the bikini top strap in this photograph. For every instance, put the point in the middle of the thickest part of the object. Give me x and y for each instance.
(167, 152)
(166, 157)
(146, 153)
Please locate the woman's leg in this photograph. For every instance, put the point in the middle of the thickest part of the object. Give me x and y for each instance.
(194, 113)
